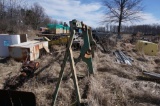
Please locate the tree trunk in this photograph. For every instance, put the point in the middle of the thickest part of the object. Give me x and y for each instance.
(119, 26)
(120, 20)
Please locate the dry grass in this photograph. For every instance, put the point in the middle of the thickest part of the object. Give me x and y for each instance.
(112, 85)
(8, 68)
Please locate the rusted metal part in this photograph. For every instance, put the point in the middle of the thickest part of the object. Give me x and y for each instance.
(26, 71)
(28, 68)
(32, 48)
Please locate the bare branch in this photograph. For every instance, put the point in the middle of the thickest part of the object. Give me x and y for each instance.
(122, 11)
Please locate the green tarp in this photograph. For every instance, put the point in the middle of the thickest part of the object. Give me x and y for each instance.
(57, 26)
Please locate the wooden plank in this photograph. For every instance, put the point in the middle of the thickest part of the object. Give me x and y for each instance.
(72, 64)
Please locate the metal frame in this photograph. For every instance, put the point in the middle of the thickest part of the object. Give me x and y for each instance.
(86, 56)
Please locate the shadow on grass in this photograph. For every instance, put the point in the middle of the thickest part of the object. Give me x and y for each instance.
(4, 60)
(148, 79)
(146, 99)
(113, 71)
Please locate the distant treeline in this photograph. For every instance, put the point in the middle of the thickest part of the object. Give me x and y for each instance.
(145, 29)
(18, 16)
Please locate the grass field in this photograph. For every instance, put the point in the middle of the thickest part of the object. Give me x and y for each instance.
(113, 84)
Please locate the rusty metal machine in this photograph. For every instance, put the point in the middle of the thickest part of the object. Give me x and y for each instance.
(26, 71)
(28, 68)
(86, 55)
(9, 97)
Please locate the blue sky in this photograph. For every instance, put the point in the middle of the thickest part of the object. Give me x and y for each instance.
(91, 11)
(152, 6)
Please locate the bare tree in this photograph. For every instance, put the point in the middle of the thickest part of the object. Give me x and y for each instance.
(122, 11)
(36, 16)
(10, 15)
(54, 21)
(17, 16)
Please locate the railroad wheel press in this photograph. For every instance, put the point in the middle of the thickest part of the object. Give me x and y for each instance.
(86, 55)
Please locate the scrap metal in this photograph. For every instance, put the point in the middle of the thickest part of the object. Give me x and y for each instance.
(26, 71)
(122, 58)
(151, 74)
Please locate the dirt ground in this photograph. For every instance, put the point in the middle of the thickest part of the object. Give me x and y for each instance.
(113, 84)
